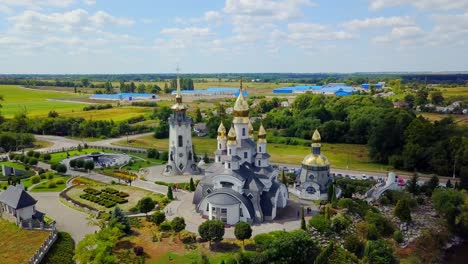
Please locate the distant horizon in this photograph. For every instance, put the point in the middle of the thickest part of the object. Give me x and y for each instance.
(236, 36)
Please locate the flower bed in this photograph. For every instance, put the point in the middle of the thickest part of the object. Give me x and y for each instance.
(92, 191)
(99, 200)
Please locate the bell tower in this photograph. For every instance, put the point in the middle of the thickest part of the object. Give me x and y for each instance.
(181, 157)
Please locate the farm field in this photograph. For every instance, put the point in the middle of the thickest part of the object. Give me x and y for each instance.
(461, 120)
(18, 245)
(116, 114)
(36, 103)
(456, 93)
(339, 154)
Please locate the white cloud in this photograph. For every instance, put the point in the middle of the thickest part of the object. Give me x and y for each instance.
(377, 22)
(309, 33)
(101, 18)
(449, 29)
(189, 32)
(405, 36)
(419, 4)
(211, 17)
(268, 9)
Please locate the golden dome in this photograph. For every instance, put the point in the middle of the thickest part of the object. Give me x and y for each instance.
(179, 107)
(232, 136)
(251, 130)
(316, 137)
(261, 134)
(221, 131)
(316, 160)
(241, 104)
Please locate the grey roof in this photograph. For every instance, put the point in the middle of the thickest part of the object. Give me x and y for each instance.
(265, 201)
(220, 198)
(247, 143)
(17, 198)
(262, 155)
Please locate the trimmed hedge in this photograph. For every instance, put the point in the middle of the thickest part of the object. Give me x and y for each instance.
(62, 251)
(92, 191)
(110, 190)
(96, 199)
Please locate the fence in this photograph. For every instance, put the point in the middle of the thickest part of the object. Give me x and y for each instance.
(112, 148)
(42, 251)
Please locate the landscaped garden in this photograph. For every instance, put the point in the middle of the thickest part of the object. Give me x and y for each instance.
(18, 245)
(56, 184)
(104, 196)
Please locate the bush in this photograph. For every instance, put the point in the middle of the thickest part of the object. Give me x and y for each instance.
(62, 251)
(138, 250)
(187, 237)
(46, 156)
(37, 155)
(353, 244)
(50, 176)
(43, 176)
(32, 161)
(60, 168)
(51, 185)
(30, 153)
(398, 236)
(60, 181)
(134, 209)
(35, 179)
(320, 222)
(158, 217)
(165, 226)
(340, 223)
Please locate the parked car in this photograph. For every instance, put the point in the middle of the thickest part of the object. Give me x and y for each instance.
(339, 175)
(371, 178)
(353, 177)
(364, 177)
(401, 181)
(347, 176)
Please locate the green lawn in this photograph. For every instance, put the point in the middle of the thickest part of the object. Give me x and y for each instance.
(35, 102)
(59, 156)
(18, 245)
(44, 186)
(340, 155)
(12, 164)
(135, 194)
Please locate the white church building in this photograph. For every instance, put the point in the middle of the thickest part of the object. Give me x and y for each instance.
(240, 185)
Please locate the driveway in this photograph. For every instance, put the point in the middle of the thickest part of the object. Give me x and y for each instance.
(68, 219)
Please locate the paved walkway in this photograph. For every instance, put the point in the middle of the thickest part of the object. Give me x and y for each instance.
(287, 218)
(68, 219)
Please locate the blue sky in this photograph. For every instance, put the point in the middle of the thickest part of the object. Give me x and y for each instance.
(142, 36)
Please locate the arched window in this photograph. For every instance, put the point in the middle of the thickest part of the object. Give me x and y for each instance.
(230, 151)
(259, 148)
(243, 131)
(180, 141)
(229, 165)
(219, 146)
(259, 162)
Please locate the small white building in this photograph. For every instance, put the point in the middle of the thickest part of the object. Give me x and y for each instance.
(17, 204)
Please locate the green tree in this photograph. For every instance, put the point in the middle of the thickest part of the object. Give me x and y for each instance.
(421, 97)
(97, 248)
(170, 195)
(242, 231)
(141, 88)
(412, 186)
(402, 210)
(449, 184)
(191, 185)
(303, 222)
(433, 183)
(447, 203)
(198, 115)
(85, 82)
(158, 217)
(354, 244)
(379, 252)
(118, 219)
(145, 205)
(409, 99)
(89, 165)
(211, 231)
(292, 247)
(437, 98)
(178, 224)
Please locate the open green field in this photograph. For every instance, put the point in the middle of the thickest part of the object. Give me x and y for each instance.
(116, 113)
(59, 156)
(36, 103)
(18, 245)
(45, 187)
(135, 194)
(340, 155)
(456, 93)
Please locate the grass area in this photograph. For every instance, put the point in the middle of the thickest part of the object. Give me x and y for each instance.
(135, 194)
(170, 249)
(42, 144)
(35, 102)
(45, 185)
(456, 93)
(461, 120)
(116, 114)
(18, 245)
(138, 164)
(339, 154)
(12, 164)
(59, 156)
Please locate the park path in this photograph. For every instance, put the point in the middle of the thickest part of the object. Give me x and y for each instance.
(68, 219)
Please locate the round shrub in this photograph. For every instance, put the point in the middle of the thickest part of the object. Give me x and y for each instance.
(46, 157)
(50, 176)
(60, 181)
(165, 226)
(51, 185)
(158, 217)
(398, 236)
(32, 161)
(43, 176)
(187, 237)
(37, 155)
(138, 250)
(35, 179)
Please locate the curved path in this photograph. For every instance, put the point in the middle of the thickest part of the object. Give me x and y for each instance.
(68, 219)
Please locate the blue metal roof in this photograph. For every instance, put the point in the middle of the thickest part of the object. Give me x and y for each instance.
(121, 96)
(214, 90)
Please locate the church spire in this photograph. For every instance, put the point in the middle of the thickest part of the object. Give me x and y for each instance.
(232, 136)
(316, 138)
(221, 131)
(241, 107)
(262, 134)
(178, 106)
